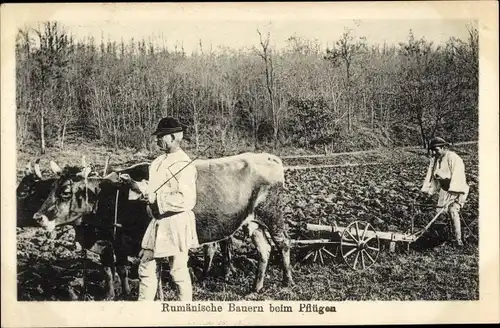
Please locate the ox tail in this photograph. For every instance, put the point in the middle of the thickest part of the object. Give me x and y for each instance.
(269, 235)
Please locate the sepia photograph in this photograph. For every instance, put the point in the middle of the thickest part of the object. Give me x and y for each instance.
(229, 158)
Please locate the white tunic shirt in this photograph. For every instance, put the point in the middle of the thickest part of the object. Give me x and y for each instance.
(179, 193)
(447, 175)
(174, 234)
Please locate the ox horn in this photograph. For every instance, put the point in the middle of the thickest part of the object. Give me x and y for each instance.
(84, 161)
(85, 173)
(106, 166)
(38, 172)
(55, 168)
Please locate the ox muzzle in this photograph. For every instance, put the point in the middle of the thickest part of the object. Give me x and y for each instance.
(44, 222)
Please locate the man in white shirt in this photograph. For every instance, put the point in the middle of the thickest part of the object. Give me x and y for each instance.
(446, 174)
(172, 232)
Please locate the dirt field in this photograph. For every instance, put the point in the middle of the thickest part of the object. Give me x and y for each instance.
(377, 193)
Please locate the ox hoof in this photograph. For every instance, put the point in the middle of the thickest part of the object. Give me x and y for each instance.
(228, 274)
(253, 292)
(128, 297)
(72, 294)
(287, 282)
(109, 297)
(258, 290)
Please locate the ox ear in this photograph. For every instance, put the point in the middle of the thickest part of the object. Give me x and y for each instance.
(38, 172)
(113, 177)
(55, 168)
(28, 170)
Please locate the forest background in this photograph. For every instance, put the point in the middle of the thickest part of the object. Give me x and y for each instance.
(297, 99)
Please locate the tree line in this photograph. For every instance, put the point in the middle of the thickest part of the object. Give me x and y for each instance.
(352, 96)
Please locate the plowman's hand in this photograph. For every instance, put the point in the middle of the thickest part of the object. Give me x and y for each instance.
(146, 255)
(125, 178)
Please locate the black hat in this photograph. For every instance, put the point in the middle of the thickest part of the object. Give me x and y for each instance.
(168, 125)
(437, 142)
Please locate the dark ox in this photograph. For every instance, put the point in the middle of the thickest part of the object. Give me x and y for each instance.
(231, 192)
(33, 190)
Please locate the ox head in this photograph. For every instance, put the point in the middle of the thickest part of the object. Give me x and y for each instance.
(72, 196)
(270, 167)
(31, 191)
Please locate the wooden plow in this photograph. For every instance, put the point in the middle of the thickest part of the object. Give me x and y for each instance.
(358, 244)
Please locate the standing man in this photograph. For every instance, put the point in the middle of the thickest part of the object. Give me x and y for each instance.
(446, 174)
(172, 231)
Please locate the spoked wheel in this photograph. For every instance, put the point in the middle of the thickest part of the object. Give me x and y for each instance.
(312, 248)
(317, 253)
(359, 245)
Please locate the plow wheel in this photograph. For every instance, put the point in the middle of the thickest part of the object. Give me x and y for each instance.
(318, 253)
(312, 248)
(360, 245)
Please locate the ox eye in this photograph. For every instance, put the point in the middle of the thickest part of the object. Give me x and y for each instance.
(66, 193)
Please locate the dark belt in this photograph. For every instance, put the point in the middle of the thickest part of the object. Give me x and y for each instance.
(167, 214)
(155, 212)
(444, 183)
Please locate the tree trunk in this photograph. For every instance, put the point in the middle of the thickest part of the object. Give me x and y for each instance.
(63, 135)
(349, 124)
(195, 123)
(254, 133)
(42, 131)
(197, 136)
(422, 132)
(60, 136)
(115, 133)
(436, 122)
(348, 87)
(223, 127)
(372, 117)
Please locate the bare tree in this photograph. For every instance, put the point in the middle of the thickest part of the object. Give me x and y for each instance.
(276, 101)
(52, 59)
(345, 50)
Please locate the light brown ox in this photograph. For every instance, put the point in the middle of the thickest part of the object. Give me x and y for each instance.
(232, 191)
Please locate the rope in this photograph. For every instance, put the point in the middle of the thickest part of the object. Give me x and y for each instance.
(174, 175)
(83, 254)
(116, 214)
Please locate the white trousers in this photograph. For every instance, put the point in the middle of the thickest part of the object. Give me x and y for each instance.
(148, 281)
(453, 210)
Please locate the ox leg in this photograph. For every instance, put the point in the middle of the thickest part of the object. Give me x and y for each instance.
(121, 268)
(283, 243)
(264, 250)
(107, 261)
(226, 249)
(271, 213)
(208, 256)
